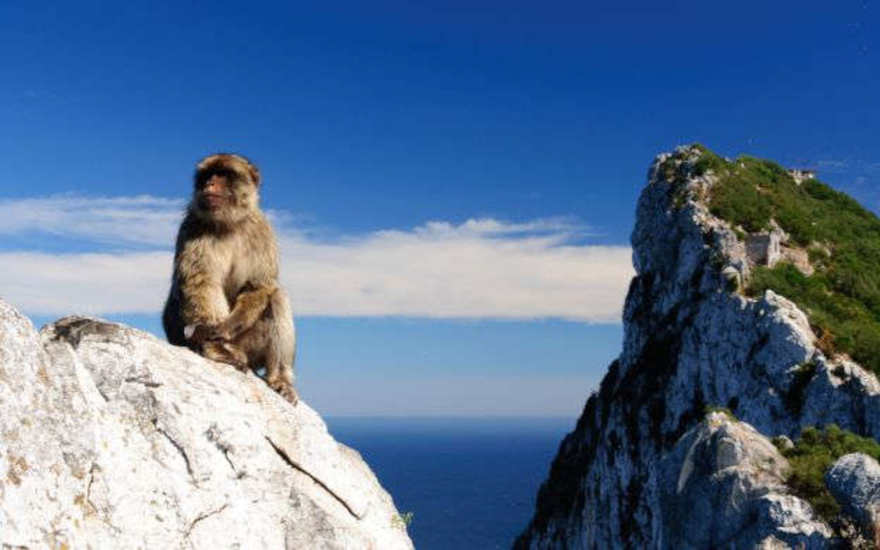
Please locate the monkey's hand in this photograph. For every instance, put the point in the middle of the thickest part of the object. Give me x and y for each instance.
(212, 343)
(224, 352)
(199, 334)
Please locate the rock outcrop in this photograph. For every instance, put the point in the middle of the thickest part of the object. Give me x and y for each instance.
(111, 438)
(723, 483)
(644, 467)
(854, 480)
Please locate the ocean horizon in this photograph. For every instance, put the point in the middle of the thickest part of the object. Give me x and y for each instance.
(469, 482)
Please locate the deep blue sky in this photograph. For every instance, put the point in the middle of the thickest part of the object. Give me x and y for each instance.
(385, 115)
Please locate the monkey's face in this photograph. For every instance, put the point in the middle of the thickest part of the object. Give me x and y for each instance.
(214, 192)
(225, 188)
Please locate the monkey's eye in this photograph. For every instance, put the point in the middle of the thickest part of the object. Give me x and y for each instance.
(205, 177)
(231, 176)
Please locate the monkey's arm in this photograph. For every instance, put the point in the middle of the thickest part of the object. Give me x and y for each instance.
(203, 301)
(254, 298)
(249, 306)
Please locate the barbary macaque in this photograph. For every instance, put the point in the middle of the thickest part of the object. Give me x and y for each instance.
(225, 301)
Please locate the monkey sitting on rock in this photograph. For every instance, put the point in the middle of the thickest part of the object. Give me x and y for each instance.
(225, 300)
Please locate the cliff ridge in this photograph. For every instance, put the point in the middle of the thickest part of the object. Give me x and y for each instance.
(648, 464)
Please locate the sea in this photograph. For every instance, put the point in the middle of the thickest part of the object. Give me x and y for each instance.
(469, 483)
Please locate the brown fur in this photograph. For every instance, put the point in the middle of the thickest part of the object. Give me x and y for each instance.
(225, 285)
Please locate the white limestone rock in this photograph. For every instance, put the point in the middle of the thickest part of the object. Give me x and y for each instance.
(722, 486)
(111, 438)
(854, 480)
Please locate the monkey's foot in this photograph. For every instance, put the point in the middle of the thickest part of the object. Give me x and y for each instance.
(224, 352)
(286, 391)
(239, 366)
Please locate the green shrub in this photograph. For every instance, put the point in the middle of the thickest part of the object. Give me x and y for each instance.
(708, 161)
(403, 520)
(811, 457)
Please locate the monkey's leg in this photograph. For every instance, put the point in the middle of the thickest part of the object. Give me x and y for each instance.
(281, 349)
(271, 341)
(249, 306)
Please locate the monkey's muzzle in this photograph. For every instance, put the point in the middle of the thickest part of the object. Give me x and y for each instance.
(213, 200)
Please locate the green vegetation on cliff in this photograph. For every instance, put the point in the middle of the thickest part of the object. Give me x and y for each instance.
(812, 456)
(842, 296)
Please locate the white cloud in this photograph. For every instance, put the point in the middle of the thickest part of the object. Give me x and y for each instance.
(141, 219)
(450, 273)
(482, 268)
(49, 284)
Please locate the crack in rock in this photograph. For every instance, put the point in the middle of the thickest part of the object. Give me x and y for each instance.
(144, 382)
(213, 435)
(92, 470)
(201, 517)
(290, 462)
(179, 448)
(103, 514)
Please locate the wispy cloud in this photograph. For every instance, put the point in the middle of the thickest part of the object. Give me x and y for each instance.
(439, 270)
(141, 219)
(47, 284)
(482, 268)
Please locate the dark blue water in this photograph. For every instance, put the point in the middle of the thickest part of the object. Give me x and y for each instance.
(470, 483)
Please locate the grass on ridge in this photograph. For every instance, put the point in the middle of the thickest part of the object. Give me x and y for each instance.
(842, 297)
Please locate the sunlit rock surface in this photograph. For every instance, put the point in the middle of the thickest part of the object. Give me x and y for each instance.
(111, 438)
(854, 480)
(722, 485)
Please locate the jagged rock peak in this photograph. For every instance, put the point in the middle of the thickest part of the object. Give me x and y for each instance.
(697, 335)
(112, 438)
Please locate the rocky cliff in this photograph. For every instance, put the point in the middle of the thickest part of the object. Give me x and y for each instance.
(649, 465)
(110, 438)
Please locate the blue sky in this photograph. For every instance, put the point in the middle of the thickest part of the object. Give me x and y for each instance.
(453, 183)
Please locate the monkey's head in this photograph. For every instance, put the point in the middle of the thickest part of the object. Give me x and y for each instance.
(226, 188)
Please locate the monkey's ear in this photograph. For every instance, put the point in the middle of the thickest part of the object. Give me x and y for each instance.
(254, 173)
